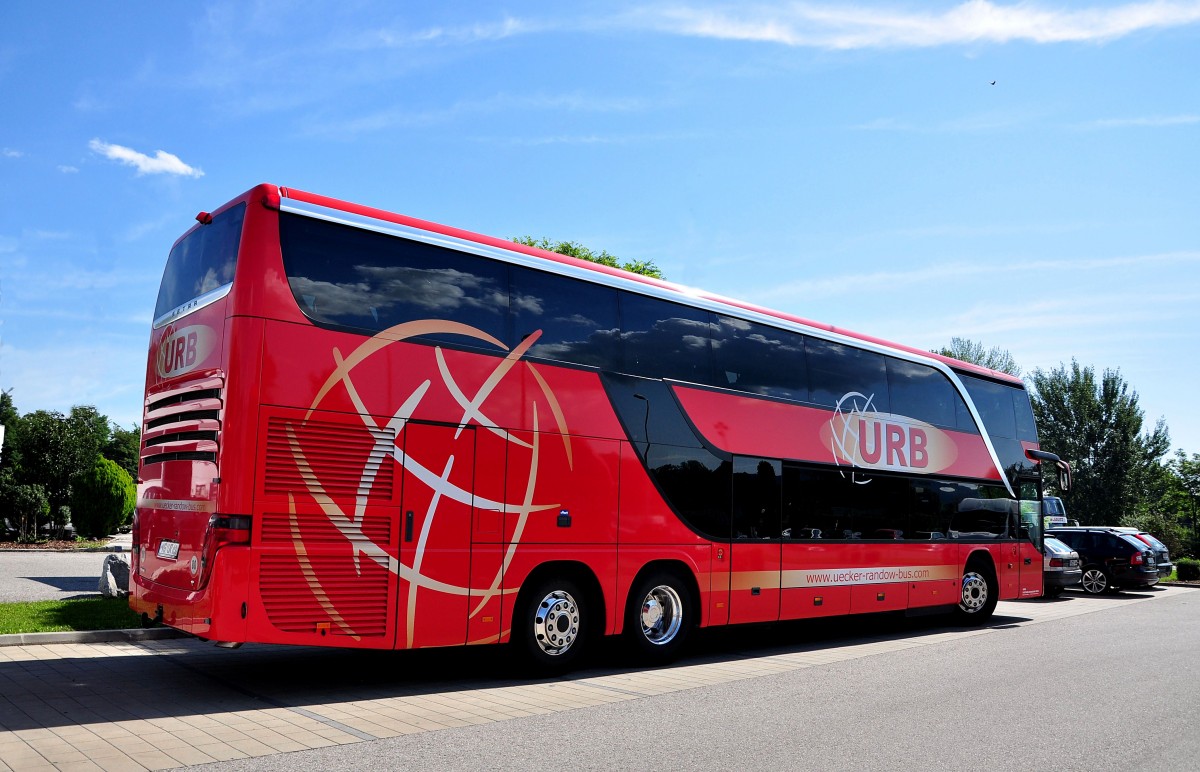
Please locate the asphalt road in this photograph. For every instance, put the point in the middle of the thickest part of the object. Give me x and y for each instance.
(32, 575)
(1116, 689)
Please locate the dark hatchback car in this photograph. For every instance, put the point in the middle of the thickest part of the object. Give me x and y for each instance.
(1110, 559)
(1161, 554)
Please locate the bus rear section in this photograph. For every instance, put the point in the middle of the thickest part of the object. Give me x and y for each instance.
(180, 532)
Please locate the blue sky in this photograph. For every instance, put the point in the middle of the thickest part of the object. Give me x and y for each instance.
(853, 164)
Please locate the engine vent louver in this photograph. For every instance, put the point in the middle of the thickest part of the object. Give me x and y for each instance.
(336, 459)
(315, 593)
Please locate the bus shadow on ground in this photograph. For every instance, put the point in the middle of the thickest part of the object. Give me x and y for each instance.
(188, 677)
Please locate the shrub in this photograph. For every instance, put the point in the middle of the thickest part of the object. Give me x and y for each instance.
(1187, 569)
(101, 498)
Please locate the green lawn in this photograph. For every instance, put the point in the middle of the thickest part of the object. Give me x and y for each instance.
(52, 616)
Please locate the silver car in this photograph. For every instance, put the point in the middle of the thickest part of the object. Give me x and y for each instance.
(1060, 567)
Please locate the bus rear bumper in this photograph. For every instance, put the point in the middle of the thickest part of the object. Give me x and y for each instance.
(215, 612)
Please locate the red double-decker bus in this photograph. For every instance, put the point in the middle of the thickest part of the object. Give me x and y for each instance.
(367, 430)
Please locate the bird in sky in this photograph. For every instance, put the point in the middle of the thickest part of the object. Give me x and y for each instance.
(993, 83)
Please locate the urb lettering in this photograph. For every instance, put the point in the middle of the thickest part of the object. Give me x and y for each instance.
(904, 445)
(184, 350)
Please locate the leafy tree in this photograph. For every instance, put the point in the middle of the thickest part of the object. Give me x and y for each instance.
(28, 505)
(102, 498)
(10, 419)
(575, 249)
(55, 448)
(1185, 496)
(124, 447)
(1096, 425)
(995, 358)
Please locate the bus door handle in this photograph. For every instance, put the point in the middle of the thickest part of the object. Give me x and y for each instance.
(1028, 561)
(408, 525)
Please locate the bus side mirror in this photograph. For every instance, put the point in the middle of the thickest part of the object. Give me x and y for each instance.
(1064, 476)
(1064, 469)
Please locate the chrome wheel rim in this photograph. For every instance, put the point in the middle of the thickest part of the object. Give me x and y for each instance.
(661, 615)
(1094, 581)
(974, 592)
(556, 623)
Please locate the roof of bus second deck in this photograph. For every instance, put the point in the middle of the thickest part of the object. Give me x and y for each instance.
(684, 292)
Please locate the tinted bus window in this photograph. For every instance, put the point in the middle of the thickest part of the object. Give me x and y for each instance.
(352, 278)
(202, 262)
(1026, 426)
(994, 402)
(835, 370)
(920, 392)
(697, 484)
(578, 320)
(759, 359)
(666, 340)
(757, 484)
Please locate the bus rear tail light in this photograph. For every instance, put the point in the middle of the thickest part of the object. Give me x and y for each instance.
(222, 530)
(135, 532)
(1056, 562)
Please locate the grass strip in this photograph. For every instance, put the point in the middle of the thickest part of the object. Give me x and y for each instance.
(55, 616)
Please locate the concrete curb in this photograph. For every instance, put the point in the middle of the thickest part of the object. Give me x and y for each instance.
(93, 636)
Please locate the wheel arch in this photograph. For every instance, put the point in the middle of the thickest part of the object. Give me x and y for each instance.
(578, 572)
(674, 566)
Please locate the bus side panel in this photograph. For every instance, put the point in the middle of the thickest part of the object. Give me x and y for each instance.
(571, 485)
(824, 579)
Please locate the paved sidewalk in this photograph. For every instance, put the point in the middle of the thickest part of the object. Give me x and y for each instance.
(163, 704)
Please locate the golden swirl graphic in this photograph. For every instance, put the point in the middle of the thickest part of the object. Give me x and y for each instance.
(350, 526)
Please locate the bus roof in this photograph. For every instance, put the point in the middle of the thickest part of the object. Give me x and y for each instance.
(685, 293)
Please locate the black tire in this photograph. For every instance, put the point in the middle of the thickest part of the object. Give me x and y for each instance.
(979, 593)
(1095, 581)
(659, 617)
(551, 626)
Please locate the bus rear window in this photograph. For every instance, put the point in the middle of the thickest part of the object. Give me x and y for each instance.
(201, 263)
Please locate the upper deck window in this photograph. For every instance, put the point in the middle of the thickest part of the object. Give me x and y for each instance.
(358, 279)
(201, 263)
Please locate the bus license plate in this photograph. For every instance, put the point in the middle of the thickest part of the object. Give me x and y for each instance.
(168, 549)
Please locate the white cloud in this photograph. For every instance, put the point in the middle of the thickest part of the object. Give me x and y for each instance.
(162, 162)
(977, 21)
(8, 152)
(1152, 121)
(68, 169)
(472, 33)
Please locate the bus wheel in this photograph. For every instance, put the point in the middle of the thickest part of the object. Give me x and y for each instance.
(551, 625)
(658, 617)
(979, 595)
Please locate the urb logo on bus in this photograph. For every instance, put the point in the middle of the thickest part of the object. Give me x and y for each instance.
(183, 350)
(858, 436)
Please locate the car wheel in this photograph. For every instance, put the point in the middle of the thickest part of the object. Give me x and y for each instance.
(979, 594)
(551, 625)
(1095, 581)
(659, 616)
